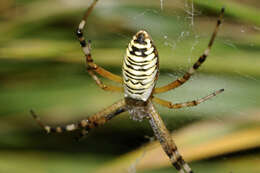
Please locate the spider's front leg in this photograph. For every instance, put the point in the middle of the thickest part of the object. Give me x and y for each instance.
(95, 120)
(185, 104)
(168, 145)
(91, 66)
(196, 65)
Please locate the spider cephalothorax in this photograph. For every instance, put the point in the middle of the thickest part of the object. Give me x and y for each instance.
(137, 108)
(140, 72)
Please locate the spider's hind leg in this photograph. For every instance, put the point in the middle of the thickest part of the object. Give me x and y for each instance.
(180, 81)
(186, 104)
(167, 143)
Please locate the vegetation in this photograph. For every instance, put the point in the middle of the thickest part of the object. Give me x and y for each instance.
(42, 68)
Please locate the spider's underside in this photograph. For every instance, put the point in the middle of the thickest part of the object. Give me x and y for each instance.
(140, 73)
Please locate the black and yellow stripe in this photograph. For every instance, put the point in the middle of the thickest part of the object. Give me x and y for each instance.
(140, 67)
(95, 120)
(185, 104)
(197, 64)
(164, 137)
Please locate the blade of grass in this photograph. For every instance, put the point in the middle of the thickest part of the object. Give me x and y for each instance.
(234, 9)
(199, 141)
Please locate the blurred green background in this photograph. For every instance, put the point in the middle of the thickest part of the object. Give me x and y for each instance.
(42, 68)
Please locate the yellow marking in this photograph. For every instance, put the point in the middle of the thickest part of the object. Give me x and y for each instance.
(84, 123)
(82, 24)
(138, 53)
(149, 65)
(139, 78)
(149, 51)
(48, 129)
(129, 47)
(143, 96)
(140, 59)
(70, 127)
(181, 171)
(141, 46)
(138, 86)
(137, 63)
(58, 129)
(149, 80)
(207, 51)
(186, 167)
(177, 154)
(147, 40)
(146, 73)
(152, 63)
(86, 50)
(173, 158)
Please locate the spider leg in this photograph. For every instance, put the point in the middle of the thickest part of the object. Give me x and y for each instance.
(95, 120)
(91, 66)
(196, 65)
(186, 104)
(102, 85)
(168, 145)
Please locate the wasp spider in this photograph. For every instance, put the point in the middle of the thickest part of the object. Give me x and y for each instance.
(140, 73)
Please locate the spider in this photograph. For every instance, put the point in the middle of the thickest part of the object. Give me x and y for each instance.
(140, 72)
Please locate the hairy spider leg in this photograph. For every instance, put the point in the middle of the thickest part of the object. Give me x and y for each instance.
(168, 145)
(91, 66)
(186, 104)
(95, 120)
(196, 65)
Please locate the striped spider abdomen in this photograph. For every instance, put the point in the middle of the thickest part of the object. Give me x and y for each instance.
(140, 67)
